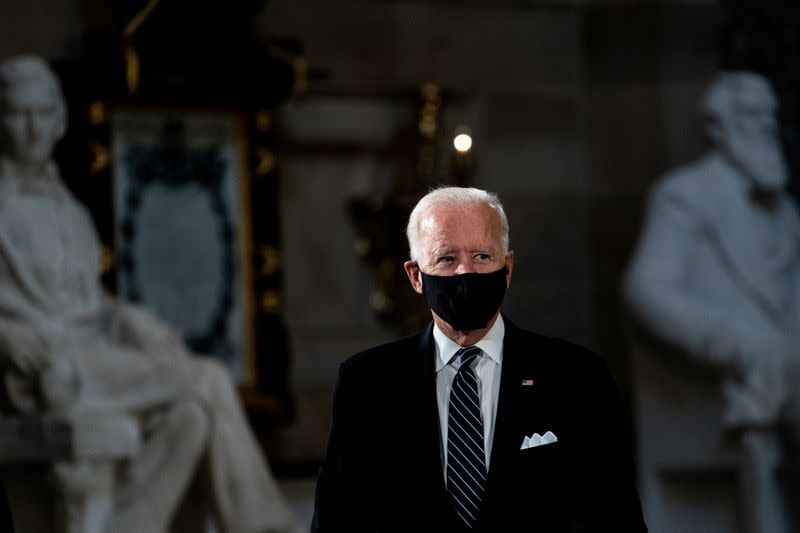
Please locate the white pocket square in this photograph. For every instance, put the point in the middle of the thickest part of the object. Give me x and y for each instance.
(538, 440)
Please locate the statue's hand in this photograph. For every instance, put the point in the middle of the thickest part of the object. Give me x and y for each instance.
(24, 349)
(767, 359)
(764, 372)
(60, 385)
(743, 357)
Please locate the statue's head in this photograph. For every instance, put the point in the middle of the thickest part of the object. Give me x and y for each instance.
(32, 110)
(740, 108)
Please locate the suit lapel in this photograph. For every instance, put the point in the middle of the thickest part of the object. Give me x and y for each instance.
(428, 413)
(518, 365)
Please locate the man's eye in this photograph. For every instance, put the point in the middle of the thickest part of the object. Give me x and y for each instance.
(446, 259)
(482, 257)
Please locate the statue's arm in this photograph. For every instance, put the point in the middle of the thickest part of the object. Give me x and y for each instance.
(656, 291)
(135, 326)
(23, 348)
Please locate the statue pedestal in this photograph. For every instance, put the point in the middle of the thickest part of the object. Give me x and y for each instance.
(58, 471)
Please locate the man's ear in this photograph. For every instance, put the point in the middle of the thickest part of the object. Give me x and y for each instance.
(414, 275)
(509, 267)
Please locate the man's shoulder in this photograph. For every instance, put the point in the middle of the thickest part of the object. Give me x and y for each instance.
(570, 368)
(554, 353)
(387, 353)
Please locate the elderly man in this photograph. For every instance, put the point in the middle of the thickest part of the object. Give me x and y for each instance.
(717, 273)
(81, 351)
(474, 424)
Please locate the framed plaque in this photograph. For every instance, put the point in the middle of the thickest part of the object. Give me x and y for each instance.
(181, 213)
(174, 148)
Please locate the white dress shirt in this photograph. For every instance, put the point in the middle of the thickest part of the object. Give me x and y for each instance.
(487, 370)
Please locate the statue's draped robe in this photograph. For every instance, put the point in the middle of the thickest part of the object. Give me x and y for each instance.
(49, 280)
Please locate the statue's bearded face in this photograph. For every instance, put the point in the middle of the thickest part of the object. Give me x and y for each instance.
(31, 121)
(750, 136)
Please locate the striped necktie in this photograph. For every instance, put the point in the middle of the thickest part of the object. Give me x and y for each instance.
(466, 461)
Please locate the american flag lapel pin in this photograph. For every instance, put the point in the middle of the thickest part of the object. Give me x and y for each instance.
(527, 383)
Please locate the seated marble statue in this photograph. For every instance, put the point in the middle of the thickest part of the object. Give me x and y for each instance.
(717, 268)
(82, 351)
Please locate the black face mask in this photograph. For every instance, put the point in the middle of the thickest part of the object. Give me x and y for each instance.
(465, 301)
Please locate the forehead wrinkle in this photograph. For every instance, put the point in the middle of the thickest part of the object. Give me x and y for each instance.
(487, 238)
(434, 244)
(439, 245)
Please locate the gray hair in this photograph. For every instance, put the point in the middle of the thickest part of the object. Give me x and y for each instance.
(458, 197)
(721, 97)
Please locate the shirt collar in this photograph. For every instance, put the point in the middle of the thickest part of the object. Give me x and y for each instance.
(491, 344)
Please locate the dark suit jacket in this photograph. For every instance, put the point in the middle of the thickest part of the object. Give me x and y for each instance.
(6, 522)
(383, 469)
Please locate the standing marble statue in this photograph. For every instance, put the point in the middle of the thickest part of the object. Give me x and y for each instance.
(717, 274)
(81, 350)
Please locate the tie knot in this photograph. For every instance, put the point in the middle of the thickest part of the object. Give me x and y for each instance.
(468, 355)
